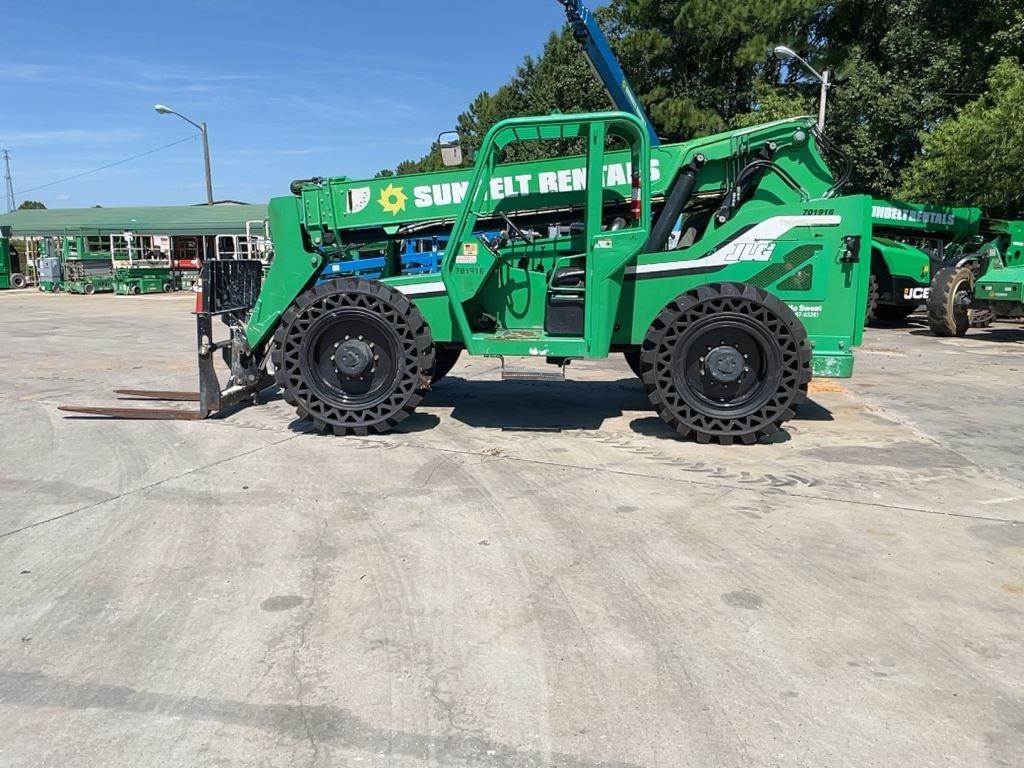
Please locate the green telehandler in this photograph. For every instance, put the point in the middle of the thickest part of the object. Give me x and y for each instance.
(910, 242)
(765, 287)
(988, 279)
(558, 259)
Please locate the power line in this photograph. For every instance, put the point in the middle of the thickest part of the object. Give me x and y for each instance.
(108, 165)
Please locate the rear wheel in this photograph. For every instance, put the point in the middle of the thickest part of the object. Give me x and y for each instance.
(726, 362)
(167, 287)
(88, 289)
(948, 301)
(353, 356)
(18, 280)
(134, 290)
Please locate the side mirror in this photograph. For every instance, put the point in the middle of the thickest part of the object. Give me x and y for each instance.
(451, 149)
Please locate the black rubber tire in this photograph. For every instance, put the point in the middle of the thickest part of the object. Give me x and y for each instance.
(871, 314)
(167, 287)
(445, 358)
(134, 290)
(894, 313)
(18, 280)
(88, 289)
(633, 361)
(318, 393)
(765, 331)
(946, 315)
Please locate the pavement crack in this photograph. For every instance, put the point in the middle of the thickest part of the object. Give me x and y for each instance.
(149, 486)
(787, 488)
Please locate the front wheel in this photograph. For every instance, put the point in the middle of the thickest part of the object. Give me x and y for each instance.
(89, 289)
(949, 301)
(353, 356)
(726, 362)
(18, 280)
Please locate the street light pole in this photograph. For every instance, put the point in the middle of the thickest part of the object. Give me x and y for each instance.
(821, 103)
(782, 53)
(161, 109)
(209, 177)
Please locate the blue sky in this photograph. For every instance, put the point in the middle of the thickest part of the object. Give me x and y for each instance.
(289, 90)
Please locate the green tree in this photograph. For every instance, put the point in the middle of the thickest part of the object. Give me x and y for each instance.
(975, 157)
(31, 205)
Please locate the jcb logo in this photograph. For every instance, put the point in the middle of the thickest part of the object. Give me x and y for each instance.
(915, 294)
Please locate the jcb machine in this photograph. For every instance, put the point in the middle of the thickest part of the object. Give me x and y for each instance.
(766, 285)
(911, 242)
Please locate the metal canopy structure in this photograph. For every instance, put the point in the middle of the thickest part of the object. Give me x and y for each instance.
(223, 219)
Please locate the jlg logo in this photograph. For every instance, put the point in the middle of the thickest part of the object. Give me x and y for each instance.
(744, 250)
(915, 294)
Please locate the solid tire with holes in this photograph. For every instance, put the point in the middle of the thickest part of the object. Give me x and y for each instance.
(727, 362)
(445, 358)
(353, 356)
(948, 315)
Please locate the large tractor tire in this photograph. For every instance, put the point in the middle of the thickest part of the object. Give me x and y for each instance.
(18, 280)
(948, 301)
(445, 358)
(894, 313)
(727, 362)
(871, 315)
(353, 356)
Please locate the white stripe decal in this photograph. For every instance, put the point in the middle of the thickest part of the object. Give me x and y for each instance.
(756, 244)
(417, 288)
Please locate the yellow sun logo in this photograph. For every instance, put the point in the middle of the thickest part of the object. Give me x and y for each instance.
(392, 199)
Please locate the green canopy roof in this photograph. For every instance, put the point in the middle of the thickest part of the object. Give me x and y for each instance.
(223, 219)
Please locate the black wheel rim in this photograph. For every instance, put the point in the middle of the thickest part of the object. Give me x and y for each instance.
(354, 334)
(743, 332)
(726, 365)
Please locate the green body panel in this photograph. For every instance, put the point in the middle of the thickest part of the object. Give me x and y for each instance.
(5, 259)
(1001, 282)
(903, 260)
(789, 236)
(1006, 284)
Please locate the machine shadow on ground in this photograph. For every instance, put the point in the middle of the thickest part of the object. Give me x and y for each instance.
(536, 405)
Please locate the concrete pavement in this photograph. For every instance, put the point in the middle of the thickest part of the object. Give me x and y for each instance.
(470, 592)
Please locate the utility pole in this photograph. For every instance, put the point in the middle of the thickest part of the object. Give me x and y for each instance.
(9, 186)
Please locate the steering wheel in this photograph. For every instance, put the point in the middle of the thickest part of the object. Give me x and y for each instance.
(512, 225)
